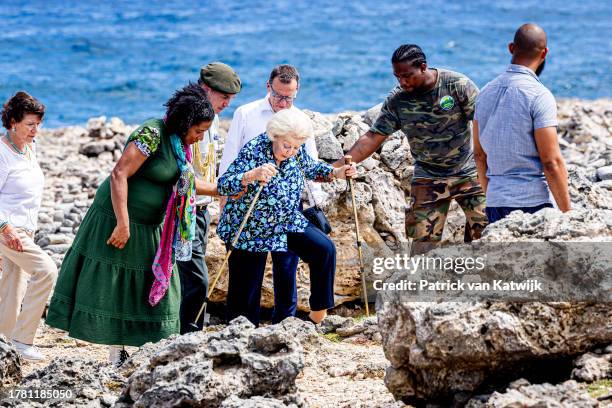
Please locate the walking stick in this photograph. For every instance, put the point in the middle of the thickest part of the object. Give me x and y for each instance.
(224, 264)
(347, 160)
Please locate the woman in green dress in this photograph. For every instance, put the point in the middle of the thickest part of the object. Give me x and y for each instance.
(116, 285)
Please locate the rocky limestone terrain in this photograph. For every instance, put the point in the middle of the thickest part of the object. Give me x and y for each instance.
(340, 364)
(438, 352)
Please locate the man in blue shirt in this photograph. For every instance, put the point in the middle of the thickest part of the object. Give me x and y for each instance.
(515, 134)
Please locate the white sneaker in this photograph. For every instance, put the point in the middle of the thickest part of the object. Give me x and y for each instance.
(28, 352)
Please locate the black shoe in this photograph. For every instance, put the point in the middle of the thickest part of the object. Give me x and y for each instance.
(123, 356)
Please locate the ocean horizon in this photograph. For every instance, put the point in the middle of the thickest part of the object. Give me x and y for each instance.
(86, 59)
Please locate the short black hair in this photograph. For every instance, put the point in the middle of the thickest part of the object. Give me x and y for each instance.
(186, 108)
(20, 105)
(285, 74)
(409, 53)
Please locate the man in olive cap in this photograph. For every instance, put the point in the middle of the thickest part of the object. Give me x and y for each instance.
(221, 84)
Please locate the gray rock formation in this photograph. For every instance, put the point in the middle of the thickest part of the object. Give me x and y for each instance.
(207, 368)
(437, 350)
(90, 384)
(566, 395)
(550, 224)
(10, 364)
(592, 367)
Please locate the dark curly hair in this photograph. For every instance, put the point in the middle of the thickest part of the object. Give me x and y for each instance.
(188, 106)
(20, 105)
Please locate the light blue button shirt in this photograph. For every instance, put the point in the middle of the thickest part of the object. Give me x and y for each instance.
(508, 110)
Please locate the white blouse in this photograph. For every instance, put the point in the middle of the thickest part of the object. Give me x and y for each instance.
(21, 187)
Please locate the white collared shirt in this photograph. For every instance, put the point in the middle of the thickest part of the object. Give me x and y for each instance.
(210, 136)
(21, 187)
(249, 121)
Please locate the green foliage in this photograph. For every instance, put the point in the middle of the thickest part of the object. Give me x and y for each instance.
(333, 337)
(600, 388)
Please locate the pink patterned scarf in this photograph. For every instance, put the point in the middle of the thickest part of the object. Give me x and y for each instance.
(179, 223)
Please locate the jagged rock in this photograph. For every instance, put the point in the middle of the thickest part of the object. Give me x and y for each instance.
(592, 367)
(207, 368)
(10, 362)
(566, 395)
(117, 126)
(437, 350)
(352, 132)
(389, 203)
(454, 228)
(92, 384)
(605, 173)
(328, 146)
(396, 154)
(551, 224)
(332, 323)
(584, 193)
(255, 402)
(96, 127)
(94, 149)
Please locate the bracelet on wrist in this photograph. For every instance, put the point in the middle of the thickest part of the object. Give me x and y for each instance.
(3, 225)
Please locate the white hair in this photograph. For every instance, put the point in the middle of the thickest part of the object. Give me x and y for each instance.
(290, 123)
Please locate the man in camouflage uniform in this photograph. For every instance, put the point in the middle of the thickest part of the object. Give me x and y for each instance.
(433, 108)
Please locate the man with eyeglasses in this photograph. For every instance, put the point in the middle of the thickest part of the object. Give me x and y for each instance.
(249, 121)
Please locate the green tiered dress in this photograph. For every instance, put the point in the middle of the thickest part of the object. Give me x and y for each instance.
(101, 295)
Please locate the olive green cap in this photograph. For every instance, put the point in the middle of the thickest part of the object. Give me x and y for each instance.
(220, 77)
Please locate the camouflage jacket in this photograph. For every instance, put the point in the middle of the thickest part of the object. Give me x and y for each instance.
(437, 125)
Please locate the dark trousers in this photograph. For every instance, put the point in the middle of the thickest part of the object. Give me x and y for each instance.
(284, 270)
(497, 213)
(246, 273)
(194, 275)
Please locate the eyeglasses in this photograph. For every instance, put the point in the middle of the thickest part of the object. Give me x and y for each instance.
(279, 97)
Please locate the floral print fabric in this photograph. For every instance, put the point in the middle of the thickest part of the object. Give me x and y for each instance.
(277, 211)
(146, 139)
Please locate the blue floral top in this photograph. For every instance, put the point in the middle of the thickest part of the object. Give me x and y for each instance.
(277, 209)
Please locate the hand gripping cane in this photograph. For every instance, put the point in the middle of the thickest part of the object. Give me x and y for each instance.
(347, 160)
(224, 264)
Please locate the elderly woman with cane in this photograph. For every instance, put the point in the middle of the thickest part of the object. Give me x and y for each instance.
(277, 159)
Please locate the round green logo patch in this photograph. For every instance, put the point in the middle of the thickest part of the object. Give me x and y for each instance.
(447, 102)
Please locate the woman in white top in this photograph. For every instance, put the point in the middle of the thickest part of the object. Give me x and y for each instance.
(28, 273)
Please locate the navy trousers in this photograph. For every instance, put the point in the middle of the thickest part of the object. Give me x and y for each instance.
(246, 272)
(497, 213)
(194, 275)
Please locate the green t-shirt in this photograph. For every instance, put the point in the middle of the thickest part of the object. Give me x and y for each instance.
(436, 124)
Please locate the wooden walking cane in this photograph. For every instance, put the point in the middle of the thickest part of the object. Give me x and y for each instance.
(347, 160)
(224, 264)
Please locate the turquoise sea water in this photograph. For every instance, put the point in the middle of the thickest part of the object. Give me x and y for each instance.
(84, 58)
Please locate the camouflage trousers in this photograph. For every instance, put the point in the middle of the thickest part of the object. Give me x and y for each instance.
(430, 202)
